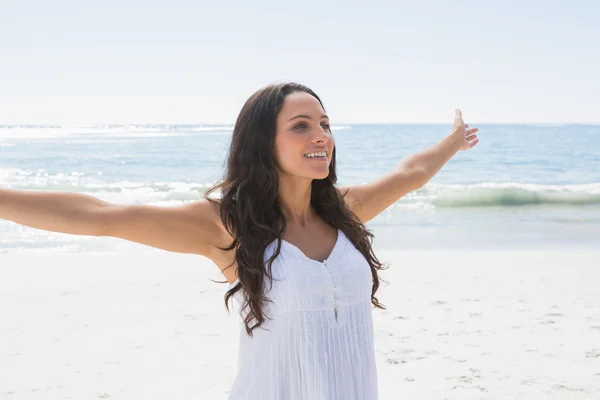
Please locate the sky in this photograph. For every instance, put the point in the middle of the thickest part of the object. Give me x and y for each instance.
(143, 61)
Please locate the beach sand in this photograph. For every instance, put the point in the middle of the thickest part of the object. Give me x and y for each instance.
(499, 324)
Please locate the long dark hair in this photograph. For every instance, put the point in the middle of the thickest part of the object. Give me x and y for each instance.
(250, 206)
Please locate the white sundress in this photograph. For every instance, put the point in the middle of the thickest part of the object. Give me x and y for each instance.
(318, 344)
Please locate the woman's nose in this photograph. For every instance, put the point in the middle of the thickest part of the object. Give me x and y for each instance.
(321, 135)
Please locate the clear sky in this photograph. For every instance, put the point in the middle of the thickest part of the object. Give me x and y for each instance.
(144, 61)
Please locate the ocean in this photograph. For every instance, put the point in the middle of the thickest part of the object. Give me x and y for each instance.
(522, 186)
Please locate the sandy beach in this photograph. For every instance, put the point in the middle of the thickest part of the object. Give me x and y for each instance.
(499, 324)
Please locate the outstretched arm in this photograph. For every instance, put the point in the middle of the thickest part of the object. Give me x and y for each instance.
(369, 200)
(187, 228)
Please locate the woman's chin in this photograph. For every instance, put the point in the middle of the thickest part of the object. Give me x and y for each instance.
(310, 174)
(321, 175)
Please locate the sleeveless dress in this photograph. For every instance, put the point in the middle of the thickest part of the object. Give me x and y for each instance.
(317, 343)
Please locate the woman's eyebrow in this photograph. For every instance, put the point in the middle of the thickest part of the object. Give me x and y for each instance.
(307, 116)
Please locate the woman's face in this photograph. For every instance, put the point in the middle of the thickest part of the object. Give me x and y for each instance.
(302, 130)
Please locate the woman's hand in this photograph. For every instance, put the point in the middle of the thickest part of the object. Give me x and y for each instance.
(467, 137)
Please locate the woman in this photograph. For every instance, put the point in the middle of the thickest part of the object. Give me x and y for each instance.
(292, 245)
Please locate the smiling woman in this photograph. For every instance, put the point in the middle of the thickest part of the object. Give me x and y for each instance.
(291, 243)
(303, 270)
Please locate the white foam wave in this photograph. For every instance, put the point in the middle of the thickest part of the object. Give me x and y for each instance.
(485, 194)
(510, 194)
(133, 131)
(60, 131)
(122, 192)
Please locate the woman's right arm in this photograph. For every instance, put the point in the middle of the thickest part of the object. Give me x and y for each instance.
(189, 228)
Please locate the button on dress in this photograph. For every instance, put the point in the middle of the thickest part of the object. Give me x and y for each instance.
(317, 343)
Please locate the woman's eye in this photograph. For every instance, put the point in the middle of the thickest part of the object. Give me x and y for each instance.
(302, 126)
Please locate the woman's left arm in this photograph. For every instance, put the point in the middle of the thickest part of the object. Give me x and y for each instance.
(369, 200)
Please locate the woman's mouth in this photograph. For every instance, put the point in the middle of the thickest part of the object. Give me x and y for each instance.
(317, 156)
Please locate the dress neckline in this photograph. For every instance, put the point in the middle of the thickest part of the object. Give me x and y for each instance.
(337, 247)
(331, 255)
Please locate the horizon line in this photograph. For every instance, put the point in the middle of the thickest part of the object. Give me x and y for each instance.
(43, 124)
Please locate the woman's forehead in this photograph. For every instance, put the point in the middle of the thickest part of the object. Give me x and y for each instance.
(301, 103)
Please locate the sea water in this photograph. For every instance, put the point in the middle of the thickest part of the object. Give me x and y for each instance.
(521, 186)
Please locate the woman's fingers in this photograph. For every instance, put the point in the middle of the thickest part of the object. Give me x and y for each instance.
(458, 121)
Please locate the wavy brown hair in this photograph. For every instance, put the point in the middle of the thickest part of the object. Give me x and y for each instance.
(250, 205)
